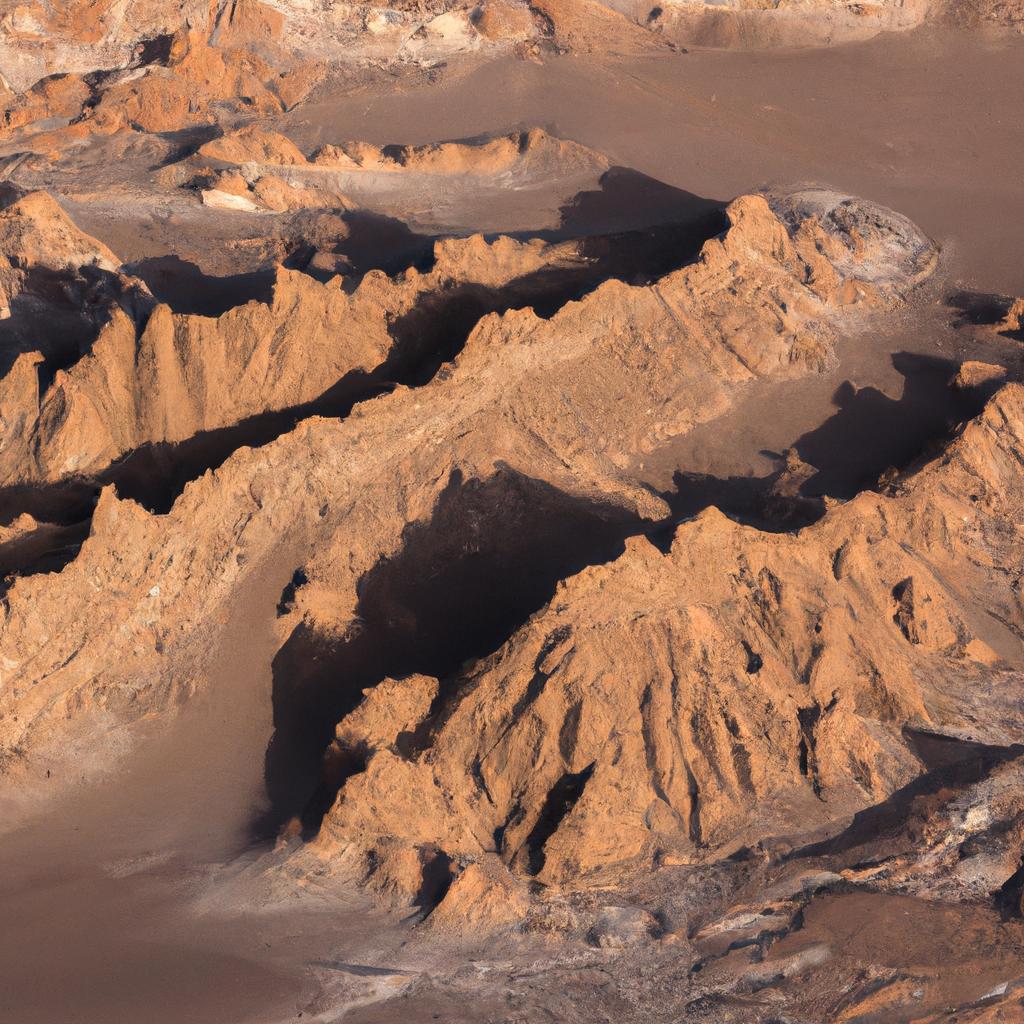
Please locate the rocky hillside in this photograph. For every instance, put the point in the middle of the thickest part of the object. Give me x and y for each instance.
(458, 573)
(158, 65)
(557, 409)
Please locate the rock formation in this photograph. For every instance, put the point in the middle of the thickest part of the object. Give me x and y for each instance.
(142, 69)
(549, 413)
(749, 25)
(176, 376)
(671, 707)
(444, 564)
(251, 169)
(161, 65)
(57, 284)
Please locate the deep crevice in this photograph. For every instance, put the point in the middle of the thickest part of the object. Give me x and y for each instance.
(154, 475)
(436, 879)
(754, 660)
(287, 601)
(808, 719)
(561, 799)
(693, 827)
(155, 50)
(904, 617)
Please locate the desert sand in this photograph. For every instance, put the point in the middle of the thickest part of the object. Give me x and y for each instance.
(511, 512)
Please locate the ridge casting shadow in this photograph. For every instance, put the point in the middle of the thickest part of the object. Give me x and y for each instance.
(490, 556)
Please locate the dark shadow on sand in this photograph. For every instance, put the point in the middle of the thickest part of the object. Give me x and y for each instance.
(872, 432)
(491, 554)
(870, 435)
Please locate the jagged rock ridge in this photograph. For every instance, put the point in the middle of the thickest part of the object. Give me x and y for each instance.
(612, 375)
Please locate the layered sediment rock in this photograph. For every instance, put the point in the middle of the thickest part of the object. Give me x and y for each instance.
(741, 24)
(251, 169)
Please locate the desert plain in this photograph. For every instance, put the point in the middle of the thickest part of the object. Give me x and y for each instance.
(511, 512)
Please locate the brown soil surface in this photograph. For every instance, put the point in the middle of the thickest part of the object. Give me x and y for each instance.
(504, 518)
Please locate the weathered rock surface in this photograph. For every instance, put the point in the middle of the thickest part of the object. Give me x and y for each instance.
(160, 65)
(508, 689)
(57, 287)
(85, 71)
(252, 169)
(86, 36)
(36, 234)
(540, 418)
(180, 375)
(682, 705)
(155, 67)
(748, 24)
(571, 744)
